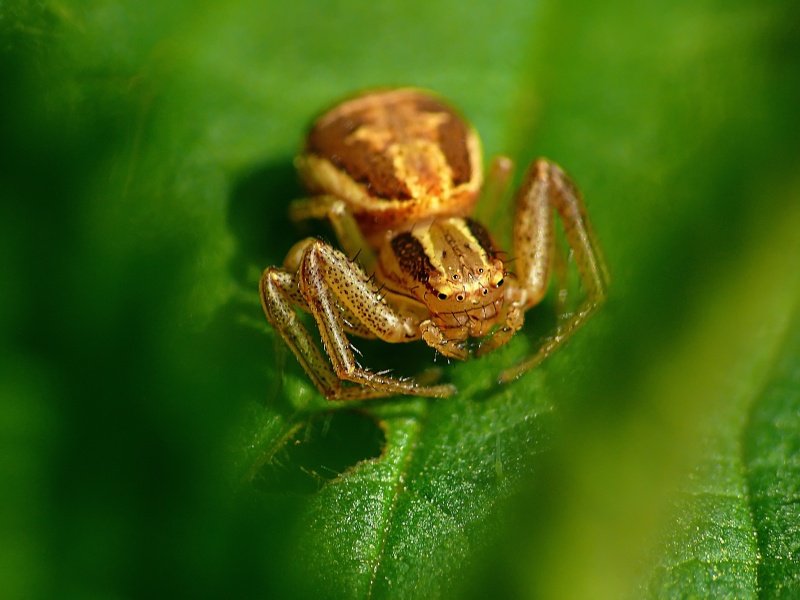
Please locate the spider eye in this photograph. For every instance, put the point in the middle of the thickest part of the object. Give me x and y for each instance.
(499, 283)
(480, 270)
(460, 297)
(455, 277)
(442, 296)
(485, 291)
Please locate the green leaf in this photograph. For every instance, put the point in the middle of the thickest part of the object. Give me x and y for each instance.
(159, 439)
(772, 445)
(737, 521)
(411, 519)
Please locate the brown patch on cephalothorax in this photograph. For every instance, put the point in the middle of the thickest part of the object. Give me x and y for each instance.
(411, 257)
(483, 237)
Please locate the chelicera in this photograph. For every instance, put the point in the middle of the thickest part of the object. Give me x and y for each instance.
(397, 172)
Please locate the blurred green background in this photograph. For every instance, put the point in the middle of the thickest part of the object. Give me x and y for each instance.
(157, 442)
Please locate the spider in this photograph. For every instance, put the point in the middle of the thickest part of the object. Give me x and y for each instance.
(397, 172)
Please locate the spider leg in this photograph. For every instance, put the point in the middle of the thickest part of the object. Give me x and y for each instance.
(348, 234)
(548, 191)
(336, 290)
(513, 323)
(495, 189)
(433, 335)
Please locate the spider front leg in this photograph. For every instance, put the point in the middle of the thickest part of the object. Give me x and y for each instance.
(513, 323)
(433, 335)
(334, 288)
(546, 191)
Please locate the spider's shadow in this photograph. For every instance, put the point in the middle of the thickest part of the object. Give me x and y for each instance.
(258, 219)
